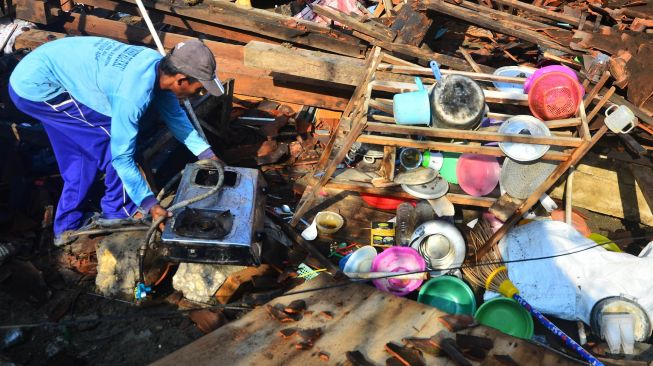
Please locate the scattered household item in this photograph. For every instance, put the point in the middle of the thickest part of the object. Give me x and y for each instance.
(543, 70)
(410, 158)
(620, 119)
(523, 125)
(512, 71)
(573, 283)
(494, 276)
(617, 319)
(449, 163)
(604, 242)
(436, 188)
(554, 95)
(441, 245)
(577, 221)
(412, 108)
(521, 179)
(432, 160)
(343, 261)
(449, 294)
(618, 331)
(477, 174)
(382, 202)
(457, 102)
(443, 207)
(310, 233)
(406, 221)
(506, 315)
(370, 152)
(328, 222)
(597, 66)
(435, 68)
(382, 233)
(360, 260)
(398, 259)
(307, 273)
(416, 176)
(222, 228)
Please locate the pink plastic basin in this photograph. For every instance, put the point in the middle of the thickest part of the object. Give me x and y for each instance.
(398, 259)
(477, 174)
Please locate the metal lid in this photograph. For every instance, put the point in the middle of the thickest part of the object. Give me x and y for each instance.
(416, 176)
(523, 125)
(436, 188)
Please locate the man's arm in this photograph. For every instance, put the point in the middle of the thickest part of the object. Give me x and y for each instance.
(177, 121)
(124, 129)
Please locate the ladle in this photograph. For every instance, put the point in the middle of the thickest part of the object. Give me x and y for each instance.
(310, 233)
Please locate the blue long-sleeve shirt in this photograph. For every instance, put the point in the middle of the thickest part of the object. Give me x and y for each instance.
(117, 80)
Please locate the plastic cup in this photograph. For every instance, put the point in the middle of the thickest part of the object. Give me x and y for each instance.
(412, 108)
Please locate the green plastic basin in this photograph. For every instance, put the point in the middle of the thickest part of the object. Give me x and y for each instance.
(507, 316)
(449, 294)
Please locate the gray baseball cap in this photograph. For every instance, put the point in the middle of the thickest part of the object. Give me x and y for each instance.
(194, 59)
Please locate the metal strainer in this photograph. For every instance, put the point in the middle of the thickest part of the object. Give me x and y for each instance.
(521, 179)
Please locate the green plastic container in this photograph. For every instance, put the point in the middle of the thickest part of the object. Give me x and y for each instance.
(448, 170)
(605, 242)
(449, 294)
(507, 316)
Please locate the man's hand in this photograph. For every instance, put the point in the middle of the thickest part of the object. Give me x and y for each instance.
(214, 157)
(157, 211)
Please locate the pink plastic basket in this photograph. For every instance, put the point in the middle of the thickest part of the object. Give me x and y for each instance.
(554, 95)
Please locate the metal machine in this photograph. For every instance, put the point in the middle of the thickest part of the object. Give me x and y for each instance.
(224, 228)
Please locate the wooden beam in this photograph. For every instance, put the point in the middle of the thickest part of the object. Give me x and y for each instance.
(444, 146)
(490, 20)
(411, 26)
(371, 28)
(425, 56)
(471, 135)
(212, 29)
(530, 8)
(455, 198)
(305, 63)
(266, 23)
(426, 71)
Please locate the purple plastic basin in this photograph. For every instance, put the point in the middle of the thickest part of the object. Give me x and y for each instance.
(398, 259)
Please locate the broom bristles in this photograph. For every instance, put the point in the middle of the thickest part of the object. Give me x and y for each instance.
(478, 269)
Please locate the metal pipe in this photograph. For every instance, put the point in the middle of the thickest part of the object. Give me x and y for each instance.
(162, 51)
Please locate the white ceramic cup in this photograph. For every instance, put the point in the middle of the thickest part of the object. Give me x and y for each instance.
(621, 120)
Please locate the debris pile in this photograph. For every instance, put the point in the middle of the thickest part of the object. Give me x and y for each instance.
(399, 173)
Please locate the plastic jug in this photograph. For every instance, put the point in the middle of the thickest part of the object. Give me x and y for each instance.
(412, 108)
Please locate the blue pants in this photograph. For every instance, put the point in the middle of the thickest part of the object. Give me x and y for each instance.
(81, 139)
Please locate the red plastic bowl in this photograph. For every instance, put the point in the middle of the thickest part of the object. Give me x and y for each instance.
(554, 95)
(383, 202)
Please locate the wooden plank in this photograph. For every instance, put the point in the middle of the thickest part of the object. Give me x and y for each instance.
(360, 318)
(559, 17)
(213, 29)
(305, 63)
(265, 23)
(455, 198)
(411, 26)
(491, 96)
(444, 146)
(611, 188)
(412, 70)
(424, 55)
(371, 28)
(490, 20)
(471, 135)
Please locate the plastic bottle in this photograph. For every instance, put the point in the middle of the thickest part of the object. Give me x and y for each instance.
(405, 225)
